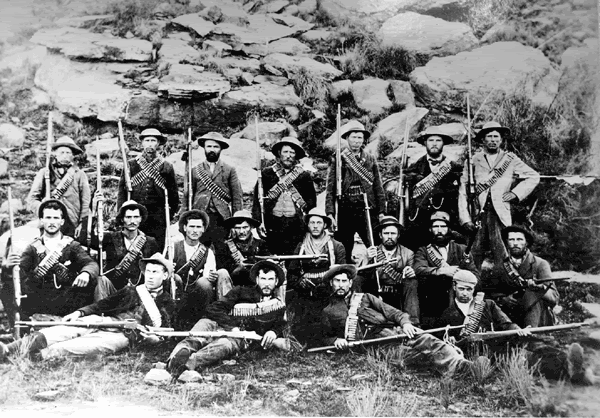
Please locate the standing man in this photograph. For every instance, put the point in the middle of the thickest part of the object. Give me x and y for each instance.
(57, 274)
(494, 172)
(433, 182)
(68, 184)
(529, 303)
(152, 180)
(216, 188)
(360, 174)
(243, 308)
(289, 193)
(399, 285)
(436, 265)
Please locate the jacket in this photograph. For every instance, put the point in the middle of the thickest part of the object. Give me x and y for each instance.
(226, 178)
(180, 259)
(254, 247)
(492, 318)
(297, 267)
(482, 170)
(405, 259)
(534, 267)
(424, 267)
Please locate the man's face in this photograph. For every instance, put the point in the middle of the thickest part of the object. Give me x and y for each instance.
(64, 155)
(355, 141)
(439, 230)
(212, 150)
(243, 230)
(389, 237)
(434, 146)
(517, 244)
(132, 219)
(463, 292)
(316, 226)
(154, 275)
(266, 282)
(492, 142)
(52, 221)
(194, 229)
(287, 155)
(150, 145)
(341, 285)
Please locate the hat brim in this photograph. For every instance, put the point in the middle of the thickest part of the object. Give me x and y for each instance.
(165, 263)
(484, 131)
(234, 220)
(223, 144)
(75, 148)
(378, 228)
(349, 269)
(513, 228)
(446, 138)
(141, 208)
(185, 216)
(45, 203)
(161, 138)
(300, 153)
(366, 133)
(326, 219)
(270, 265)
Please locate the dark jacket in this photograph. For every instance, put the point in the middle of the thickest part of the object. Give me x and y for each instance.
(219, 312)
(297, 267)
(226, 178)
(534, 267)
(492, 318)
(43, 295)
(375, 192)
(254, 247)
(424, 267)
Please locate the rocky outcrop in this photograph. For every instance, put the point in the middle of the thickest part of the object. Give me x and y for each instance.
(393, 127)
(265, 94)
(191, 83)
(428, 36)
(370, 95)
(293, 65)
(11, 136)
(268, 132)
(575, 57)
(403, 94)
(501, 68)
(290, 46)
(195, 23)
(178, 51)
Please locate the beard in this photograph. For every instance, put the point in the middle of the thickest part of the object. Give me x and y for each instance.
(389, 244)
(212, 157)
(441, 240)
(517, 252)
(149, 153)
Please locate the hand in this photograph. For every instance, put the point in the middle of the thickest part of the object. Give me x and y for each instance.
(262, 231)
(470, 227)
(524, 332)
(11, 261)
(409, 272)
(78, 229)
(213, 276)
(98, 197)
(372, 252)
(149, 338)
(306, 283)
(333, 223)
(410, 330)
(341, 344)
(380, 216)
(82, 280)
(452, 340)
(532, 285)
(449, 271)
(72, 316)
(268, 339)
(509, 197)
(509, 301)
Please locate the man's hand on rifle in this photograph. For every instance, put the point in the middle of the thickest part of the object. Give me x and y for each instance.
(148, 337)
(333, 222)
(11, 260)
(73, 316)
(524, 332)
(98, 197)
(268, 339)
(509, 301)
(213, 276)
(408, 272)
(410, 330)
(509, 197)
(341, 344)
(449, 271)
(372, 252)
(380, 216)
(81, 280)
(306, 283)
(532, 285)
(262, 231)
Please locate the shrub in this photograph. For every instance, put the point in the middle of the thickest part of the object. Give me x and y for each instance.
(311, 87)
(483, 14)
(131, 15)
(518, 378)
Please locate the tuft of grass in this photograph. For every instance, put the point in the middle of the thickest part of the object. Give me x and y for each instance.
(550, 400)
(483, 14)
(446, 390)
(481, 370)
(369, 399)
(518, 378)
(312, 88)
(132, 16)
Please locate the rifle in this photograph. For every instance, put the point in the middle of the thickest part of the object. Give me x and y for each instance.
(403, 200)
(374, 265)
(127, 324)
(571, 179)
(126, 175)
(188, 170)
(338, 164)
(290, 257)
(99, 210)
(259, 184)
(16, 272)
(391, 338)
(246, 335)
(370, 230)
(472, 199)
(169, 250)
(49, 141)
(485, 336)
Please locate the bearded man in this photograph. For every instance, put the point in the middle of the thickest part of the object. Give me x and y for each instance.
(435, 266)
(68, 184)
(289, 193)
(154, 184)
(216, 188)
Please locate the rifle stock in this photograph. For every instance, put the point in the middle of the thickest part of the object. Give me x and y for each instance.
(338, 163)
(485, 336)
(259, 184)
(123, 147)
(16, 271)
(246, 335)
(169, 250)
(49, 140)
(370, 231)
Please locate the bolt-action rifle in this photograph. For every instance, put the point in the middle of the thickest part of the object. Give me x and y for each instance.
(370, 231)
(304, 257)
(472, 198)
(126, 175)
(403, 196)
(99, 210)
(187, 181)
(259, 183)
(374, 265)
(49, 141)
(338, 164)
(486, 336)
(16, 271)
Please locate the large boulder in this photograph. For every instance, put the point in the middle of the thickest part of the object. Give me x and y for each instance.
(11, 136)
(426, 35)
(263, 28)
(290, 46)
(393, 127)
(24, 235)
(194, 23)
(579, 56)
(109, 147)
(83, 44)
(370, 95)
(402, 91)
(292, 65)
(177, 51)
(264, 94)
(501, 68)
(268, 132)
(190, 82)
(373, 13)
(223, 12)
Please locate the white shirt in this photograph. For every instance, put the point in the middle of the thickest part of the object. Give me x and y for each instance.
(388, 254)
(464, 307)
(443, 252)
(53, 244)
(211, 262)
(212, 167)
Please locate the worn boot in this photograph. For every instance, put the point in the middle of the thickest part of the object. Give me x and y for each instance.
(577, 372)
(28, 346)
(177, 363)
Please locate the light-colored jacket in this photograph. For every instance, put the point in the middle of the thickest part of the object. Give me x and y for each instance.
(482, 171)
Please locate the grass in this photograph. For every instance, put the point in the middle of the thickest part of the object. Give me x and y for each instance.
(312, 88)
(518, 376)
(483, 14)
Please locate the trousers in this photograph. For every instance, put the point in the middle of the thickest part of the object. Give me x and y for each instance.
(489, 238)
(351, 220)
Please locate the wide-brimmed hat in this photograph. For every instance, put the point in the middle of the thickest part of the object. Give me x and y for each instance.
(318, 212)
(292, 142)
(45, 203)
(214, 136)
(440, 215)
(465, 276)
(388, 220)
(132, 204)
(157, 258)
(354, 126)
(349, 269)
(239, 217)
(267, 264)
(194, 212)
(489, 127)
(155, 133)
(517, 228)
(434, 131)
(65, 141)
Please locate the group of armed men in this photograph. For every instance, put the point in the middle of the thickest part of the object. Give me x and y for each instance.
(237, 270)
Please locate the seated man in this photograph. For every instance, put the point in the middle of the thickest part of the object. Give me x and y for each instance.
(57, 274)
(481, 315)
(236, 255)
(435, 265)
(147, 304)
(243, 308)
(355, 316)
(196, 266)
(399, 285)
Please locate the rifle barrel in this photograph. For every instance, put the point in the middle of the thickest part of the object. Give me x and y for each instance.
(189, 170)
(49, 141)
(290, 257)
(378, 264)
(247, 335)
(338, 163)
(16, 271)
(259, 185)
(483, 336)
(130, 324)
(126, 175)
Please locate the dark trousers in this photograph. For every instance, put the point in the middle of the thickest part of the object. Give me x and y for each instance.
(216, 232)
(156, 226)
(352, 219)
(489, 238)
(284, 234)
